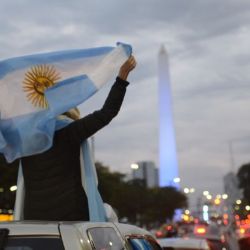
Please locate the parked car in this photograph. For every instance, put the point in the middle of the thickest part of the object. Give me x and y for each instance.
(215, 236)
(74, 236)
(167, 231)
(243, 231)
(183, 244)
(243, 234)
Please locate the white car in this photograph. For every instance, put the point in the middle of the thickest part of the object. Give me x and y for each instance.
(183, 244)
(20, 235)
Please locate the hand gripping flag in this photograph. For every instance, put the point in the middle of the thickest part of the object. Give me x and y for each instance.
(35, 89)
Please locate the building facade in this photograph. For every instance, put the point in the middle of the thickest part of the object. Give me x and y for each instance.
(147, 171)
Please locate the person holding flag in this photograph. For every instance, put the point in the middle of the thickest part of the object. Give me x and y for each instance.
(53, 189)
(46, 134)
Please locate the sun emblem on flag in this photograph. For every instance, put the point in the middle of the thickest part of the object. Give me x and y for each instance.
(37, 80)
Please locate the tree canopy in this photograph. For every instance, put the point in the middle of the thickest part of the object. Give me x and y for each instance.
(243, 175)
(137, 203)
(244, 180)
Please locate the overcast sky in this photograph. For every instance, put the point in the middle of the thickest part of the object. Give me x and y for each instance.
(208, 44)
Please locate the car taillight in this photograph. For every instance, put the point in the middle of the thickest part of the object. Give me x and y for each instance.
(222, 239)
(168, 228)
(159, 234)
(200, 230)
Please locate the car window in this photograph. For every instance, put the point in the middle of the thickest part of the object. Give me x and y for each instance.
(142, 243)
(153, 243)
(105, 238)
(34, 243)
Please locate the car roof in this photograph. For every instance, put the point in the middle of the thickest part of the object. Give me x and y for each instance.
(31, 228)
(47, 227)
(184, 243)
(52, 227)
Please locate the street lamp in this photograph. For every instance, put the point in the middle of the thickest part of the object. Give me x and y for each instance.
(209, 197)
(134, 166)
(177, 180)
(188, 190)
(224, 196)
(238, 202)
(205, 193)
(13, 188)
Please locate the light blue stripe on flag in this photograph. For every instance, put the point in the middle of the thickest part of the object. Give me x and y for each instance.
(25, 134)
(95, 203)
(16, 63)
(13, 64)
(62, 93)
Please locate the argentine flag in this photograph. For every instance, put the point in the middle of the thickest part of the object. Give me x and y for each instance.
(35, 89)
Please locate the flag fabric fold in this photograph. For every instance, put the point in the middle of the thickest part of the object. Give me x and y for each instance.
(35, 89)
(96, 207)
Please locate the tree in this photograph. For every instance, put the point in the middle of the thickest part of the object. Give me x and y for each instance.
(244, 180)
(163, 203)
(243, 176)
(109, 185)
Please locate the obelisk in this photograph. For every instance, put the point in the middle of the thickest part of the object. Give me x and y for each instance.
(168, 165)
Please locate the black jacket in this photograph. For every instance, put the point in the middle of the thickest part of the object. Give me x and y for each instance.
(53, 188)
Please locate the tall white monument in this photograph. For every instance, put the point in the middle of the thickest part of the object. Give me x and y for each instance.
(168, 169)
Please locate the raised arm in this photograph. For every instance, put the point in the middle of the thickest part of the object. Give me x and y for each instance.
(90, 124)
